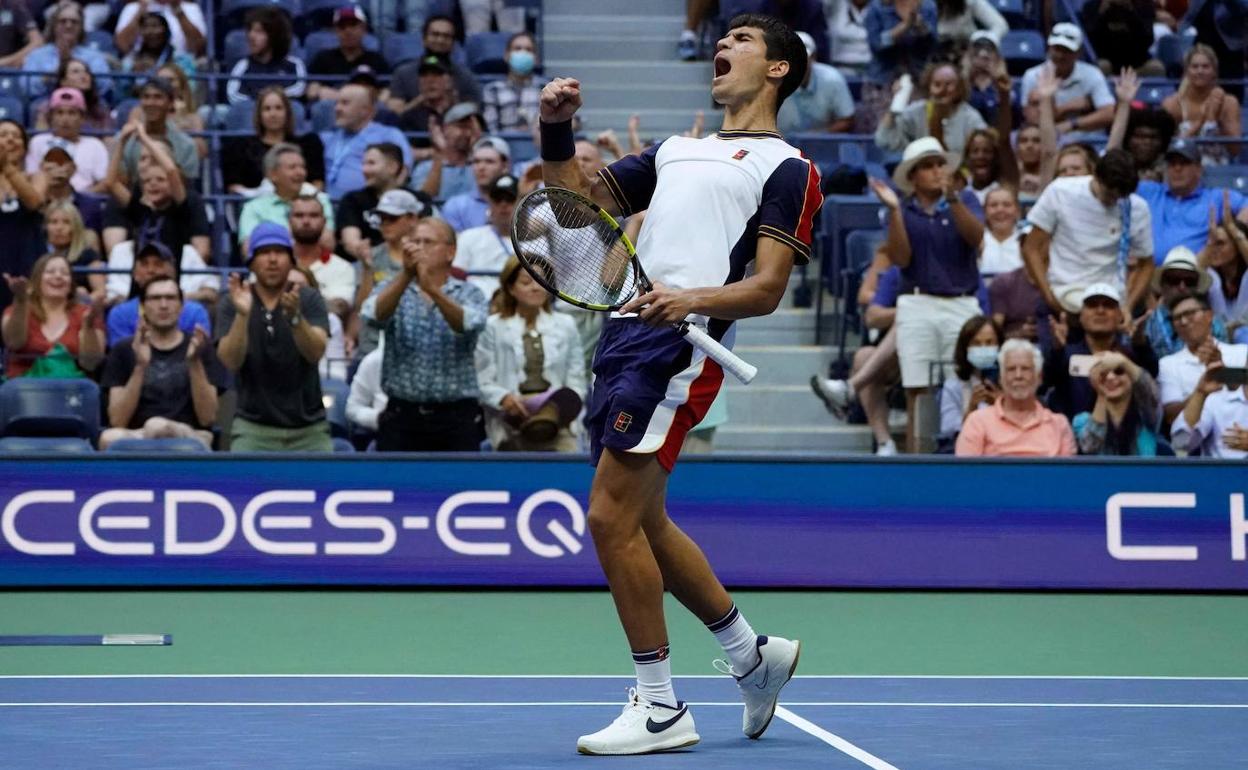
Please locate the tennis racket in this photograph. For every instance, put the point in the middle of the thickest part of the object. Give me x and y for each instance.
(579, 253)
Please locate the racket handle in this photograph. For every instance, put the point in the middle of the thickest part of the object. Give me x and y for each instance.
(729, 361)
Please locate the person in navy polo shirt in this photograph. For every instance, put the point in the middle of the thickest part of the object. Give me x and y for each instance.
(1180, 207)
(933, 236)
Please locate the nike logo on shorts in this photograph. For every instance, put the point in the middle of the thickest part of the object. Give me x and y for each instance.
(658, 727)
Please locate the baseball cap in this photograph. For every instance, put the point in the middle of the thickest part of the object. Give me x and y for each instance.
(504, 188)
(67, 97)
(1101, 290)
(59, 145)
(268, 234)
(397, 203)
(460, 111)
(498, 144)
(985, 36)
(154, 248)
(432, 65)
(365, 75)
(1184, 148)
(350, 13)
(1066, 35)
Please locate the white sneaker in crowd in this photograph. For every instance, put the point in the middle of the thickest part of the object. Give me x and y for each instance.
(835, 395)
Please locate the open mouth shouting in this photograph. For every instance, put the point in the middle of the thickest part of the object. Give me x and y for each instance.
(722, 66)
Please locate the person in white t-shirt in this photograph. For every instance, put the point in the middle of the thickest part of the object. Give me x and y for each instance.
(1179, 373)
(1088, 230)
(1001, 250)
(67, 109)
(487, 248)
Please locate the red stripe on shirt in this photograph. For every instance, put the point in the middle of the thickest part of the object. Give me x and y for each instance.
(702, 392)
(811, 203)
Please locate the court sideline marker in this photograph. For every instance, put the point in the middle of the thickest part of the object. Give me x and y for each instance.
(833, 740)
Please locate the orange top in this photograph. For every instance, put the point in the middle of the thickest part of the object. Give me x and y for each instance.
(990, 433)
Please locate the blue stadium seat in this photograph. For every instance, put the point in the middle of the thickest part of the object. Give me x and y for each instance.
(402, 47)
(11, 85)
(37, 407)
(1170, 52)
(240, 115)
(122, 111)
(1153, 93)
(335, 393)
(102, 41)
(1233, 176)
(12, 108)
(522, 145)
(322, 116)
(342, 445)
(1015, 13)
(860, 248)
(301, 117)
(239, 8)
(487, 53)
(235, 48)
(1022, 49)
(157, 445)
(36, 445)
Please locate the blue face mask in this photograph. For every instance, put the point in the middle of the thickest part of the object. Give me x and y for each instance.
(522, 62)
(982, 357)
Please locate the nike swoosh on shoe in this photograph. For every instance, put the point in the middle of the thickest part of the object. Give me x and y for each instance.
(658, 727)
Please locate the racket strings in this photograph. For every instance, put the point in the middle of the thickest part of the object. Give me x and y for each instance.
(575, 251)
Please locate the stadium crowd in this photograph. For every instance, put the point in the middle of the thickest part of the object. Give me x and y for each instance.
(1044, 234)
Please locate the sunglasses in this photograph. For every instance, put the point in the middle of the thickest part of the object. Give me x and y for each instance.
(1186, 316)
(1118, 371)
(1190, 282)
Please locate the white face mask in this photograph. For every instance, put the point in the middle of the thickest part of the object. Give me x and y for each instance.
(982, 357)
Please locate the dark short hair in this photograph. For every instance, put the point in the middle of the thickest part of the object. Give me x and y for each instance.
(783, 44)
(303, 198)
(389, 150)
(437, 17)
(519, 35)
(1116, 170)
(276, 25)
(961, 364)
(1201, 297)
(143, 289)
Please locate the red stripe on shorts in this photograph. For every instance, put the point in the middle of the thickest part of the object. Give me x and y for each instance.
(702, 392)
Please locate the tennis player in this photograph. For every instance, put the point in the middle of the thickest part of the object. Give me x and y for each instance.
(714, 205)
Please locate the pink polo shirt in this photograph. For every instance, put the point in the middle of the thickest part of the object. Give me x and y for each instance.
(990, 433)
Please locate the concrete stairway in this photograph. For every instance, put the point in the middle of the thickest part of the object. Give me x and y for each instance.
(624, 54)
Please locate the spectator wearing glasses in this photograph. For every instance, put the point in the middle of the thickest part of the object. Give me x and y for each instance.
(153, 261)
(432, 321)
(1179, 276)
(272, 338)
(1214, 420)
(1180, 372)
(66, 36)
(1017, 424)
(162, 382)
(1126, 416)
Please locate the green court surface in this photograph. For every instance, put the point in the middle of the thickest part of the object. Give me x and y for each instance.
(533, 632)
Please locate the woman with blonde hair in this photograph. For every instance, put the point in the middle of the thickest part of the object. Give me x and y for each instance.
(530, 368)
(46, 315)
(67, 237)
(1202, 108)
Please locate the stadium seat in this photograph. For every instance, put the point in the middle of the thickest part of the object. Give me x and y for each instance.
(402, 47)
(36, 445)
(12, 108)
(860, 248)
(1170, 52)
(730, 8)
(523, 148)
(235, 48)
(1233, 176)
(342, 445)
(11, 86)
(322, 116)
(1015, 13)
(39, 407)
(487, 53)
(239, 116)
(236, 9)
(1022, 49)
(1152, 94)
(335, 393)
(122, 111)
(102, 41)
(157, 445)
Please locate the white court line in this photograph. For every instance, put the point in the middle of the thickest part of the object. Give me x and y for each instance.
(1041, 677)
(737, 704)
(833, 740)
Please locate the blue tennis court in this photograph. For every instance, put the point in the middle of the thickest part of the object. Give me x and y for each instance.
(139, 721)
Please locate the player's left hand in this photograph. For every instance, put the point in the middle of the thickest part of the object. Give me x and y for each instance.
(661, 305)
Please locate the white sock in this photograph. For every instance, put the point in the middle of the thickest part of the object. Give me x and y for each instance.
(739, 641)
(654, 676)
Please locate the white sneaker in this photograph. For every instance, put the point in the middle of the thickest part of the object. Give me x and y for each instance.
(835, 395)
(642, 728)
(760, 686)
(888, 449)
